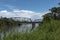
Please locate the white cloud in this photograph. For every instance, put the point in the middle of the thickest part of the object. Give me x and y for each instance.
(4, 11)
(22, 13)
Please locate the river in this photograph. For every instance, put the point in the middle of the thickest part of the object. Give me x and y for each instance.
(22, 28)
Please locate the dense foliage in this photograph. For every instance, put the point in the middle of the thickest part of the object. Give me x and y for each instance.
(48, 17)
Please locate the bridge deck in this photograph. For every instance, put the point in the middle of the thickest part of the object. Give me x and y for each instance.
(29, 22)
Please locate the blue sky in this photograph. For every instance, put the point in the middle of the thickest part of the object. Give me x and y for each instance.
(34, 5)
(27, 5)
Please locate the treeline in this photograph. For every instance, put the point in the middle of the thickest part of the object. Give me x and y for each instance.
(6, 23)
(53, 15)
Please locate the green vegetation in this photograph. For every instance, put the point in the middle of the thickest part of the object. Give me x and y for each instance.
(6, 23)
(48, 17)
(55, 9)
(48, 29)
(45, 31)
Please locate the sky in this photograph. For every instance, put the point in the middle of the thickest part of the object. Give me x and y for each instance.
(26, 8)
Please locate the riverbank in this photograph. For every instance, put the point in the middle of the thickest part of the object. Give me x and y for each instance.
(46, 31)
(6, 23)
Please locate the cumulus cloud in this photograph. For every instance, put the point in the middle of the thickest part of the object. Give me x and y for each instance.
(22, 13)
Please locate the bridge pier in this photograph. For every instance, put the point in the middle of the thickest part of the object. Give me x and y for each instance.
(33, 25)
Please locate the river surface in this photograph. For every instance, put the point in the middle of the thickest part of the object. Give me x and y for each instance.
(22, 28)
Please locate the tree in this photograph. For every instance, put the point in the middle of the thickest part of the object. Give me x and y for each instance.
(53, 9)
(48, 17)
(58, 9)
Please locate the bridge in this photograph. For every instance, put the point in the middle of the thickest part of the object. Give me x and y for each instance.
(27, 20)
(33, 23)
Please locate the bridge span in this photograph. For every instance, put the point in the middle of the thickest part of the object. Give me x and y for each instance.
(29, 22)
(33, 23)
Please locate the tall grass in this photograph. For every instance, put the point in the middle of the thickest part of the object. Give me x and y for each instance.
(45, 31)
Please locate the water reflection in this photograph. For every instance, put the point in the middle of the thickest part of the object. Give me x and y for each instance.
(22, 28)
